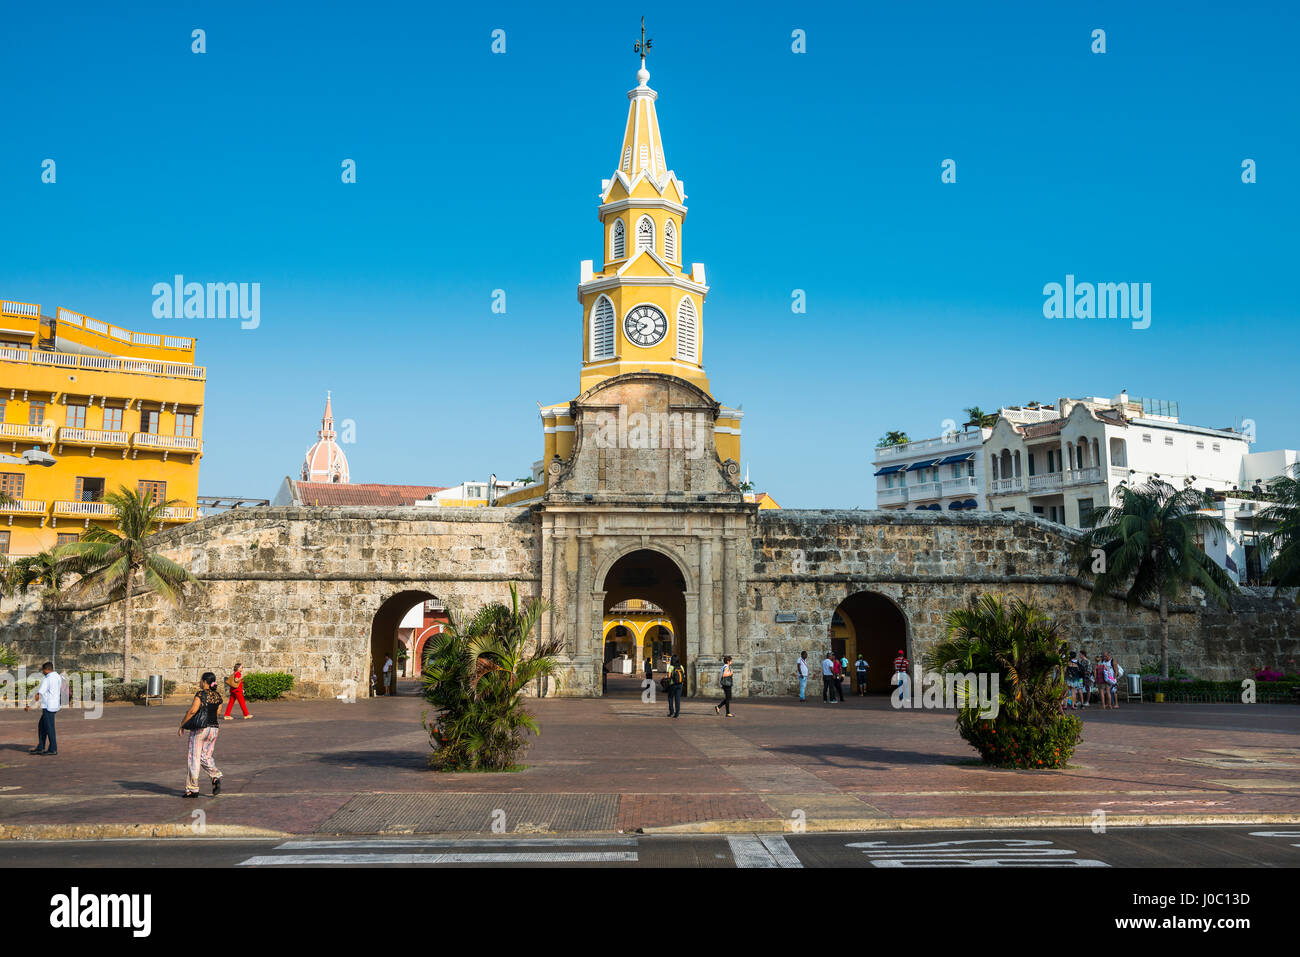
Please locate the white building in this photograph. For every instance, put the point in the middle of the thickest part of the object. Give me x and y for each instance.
(1079, 452)
(943, 474)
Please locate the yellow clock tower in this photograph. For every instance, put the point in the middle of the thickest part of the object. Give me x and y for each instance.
(643, 308)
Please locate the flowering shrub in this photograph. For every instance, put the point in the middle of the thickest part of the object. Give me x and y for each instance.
(1268, 674)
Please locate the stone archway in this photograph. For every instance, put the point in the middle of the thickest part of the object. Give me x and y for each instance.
(383, 632)
(651, 575)
(870, 623)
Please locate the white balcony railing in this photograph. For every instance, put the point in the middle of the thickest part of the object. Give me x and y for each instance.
(25, 310)
(1083, 476)
(926, 490)
(69, 360)
(952, 441)
(92, 437)
(1007, 486)
(178, 513)
(38, 433)
(890, 496)
(84, 509)
(1045, 483)
(24, 506)
(967, 484)
(1119, 471)
(170, 443)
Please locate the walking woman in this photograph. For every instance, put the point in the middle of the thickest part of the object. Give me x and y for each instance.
(235, 682)
(725, 682)
(201, 722)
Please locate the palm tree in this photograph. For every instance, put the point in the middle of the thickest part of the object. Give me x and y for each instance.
(1284, 540)
(1149, 549)
(110, 558)
(48, 569)
(1022, 646)
(893, 438)
(476, 674)
(979, 418)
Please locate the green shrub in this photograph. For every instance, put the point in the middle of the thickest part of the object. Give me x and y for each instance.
(266, 685)
(8, 656)
(1008, 743)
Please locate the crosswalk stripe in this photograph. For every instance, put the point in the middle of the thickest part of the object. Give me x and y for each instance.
(766, 851)
(524, 857)
(380, 843)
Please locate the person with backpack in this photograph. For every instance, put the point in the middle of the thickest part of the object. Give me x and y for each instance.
(676, 679)
(862, 666)
(801, 669)
(1106, 682)
(725, 680)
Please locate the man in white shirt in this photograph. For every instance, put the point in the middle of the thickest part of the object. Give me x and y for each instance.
(802, 670)
(50, 697)
(828, 680)
(390, 676)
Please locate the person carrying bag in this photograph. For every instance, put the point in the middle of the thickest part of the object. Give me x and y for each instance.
(725, 681)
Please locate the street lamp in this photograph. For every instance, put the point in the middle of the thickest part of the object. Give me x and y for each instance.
(30, 457)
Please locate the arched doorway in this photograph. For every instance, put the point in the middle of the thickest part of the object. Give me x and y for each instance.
(644, 613)
(872, 624)
(405, 612)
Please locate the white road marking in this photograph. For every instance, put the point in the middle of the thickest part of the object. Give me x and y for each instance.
(524, 857)
(1276, 834)
(1000, 852)
(765, 851)
(381, 843)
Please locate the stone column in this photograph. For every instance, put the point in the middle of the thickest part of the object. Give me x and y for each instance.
(556, 559)
(729, 584)
(708, 647)
(582, 639)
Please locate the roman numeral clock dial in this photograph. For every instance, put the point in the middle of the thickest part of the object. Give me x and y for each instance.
(645, 326)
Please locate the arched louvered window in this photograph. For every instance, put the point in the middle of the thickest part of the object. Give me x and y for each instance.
(645, 233)
(645, 156)
(688, 340)
(618, 242)
(670, 242)
(627, 160)
(602, 329)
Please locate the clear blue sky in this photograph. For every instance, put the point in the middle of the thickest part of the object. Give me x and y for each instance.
(817, 171)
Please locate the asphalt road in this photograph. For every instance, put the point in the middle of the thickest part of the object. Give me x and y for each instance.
(1177, 847)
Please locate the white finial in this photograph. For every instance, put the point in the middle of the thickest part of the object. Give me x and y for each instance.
(643, 75)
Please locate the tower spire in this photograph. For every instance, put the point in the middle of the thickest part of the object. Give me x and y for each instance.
(642, 75)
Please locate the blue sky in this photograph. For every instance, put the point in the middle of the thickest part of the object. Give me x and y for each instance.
(817, 171)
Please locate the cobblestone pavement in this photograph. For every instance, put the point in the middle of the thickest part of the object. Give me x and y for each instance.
(617, 763)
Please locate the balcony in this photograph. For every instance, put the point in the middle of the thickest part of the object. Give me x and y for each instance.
(13, 432)
(69, 360)
(1119, 471)
(952, 442)
(1084, 476)
(178, 513)
(967, 485)
(26, 506)
(82, 510)
(890, 496)
(1007, 486)
(166, 444)
(94, 438)
(925, 491)
(1051, 482)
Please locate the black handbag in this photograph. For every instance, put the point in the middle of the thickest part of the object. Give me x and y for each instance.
(199, 720)
(726, 681)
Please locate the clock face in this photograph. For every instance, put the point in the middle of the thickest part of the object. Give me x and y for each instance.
(645, 326)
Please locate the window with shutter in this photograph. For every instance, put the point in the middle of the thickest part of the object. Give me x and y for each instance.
(645, 233)
(158, 490)
(627, 160)
(618, 245)
(36, 413)
(4, 542)
(112, 419)
(602, 329)
(76, 417)
(687, 336)
(11, 484)
(645, 156)
(670, 242)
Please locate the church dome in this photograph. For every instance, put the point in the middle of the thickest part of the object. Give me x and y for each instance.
(325, 461)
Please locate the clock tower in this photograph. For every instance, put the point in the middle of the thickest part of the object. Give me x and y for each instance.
(642, 307)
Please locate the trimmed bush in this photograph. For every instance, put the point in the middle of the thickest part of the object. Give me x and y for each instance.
(266, 685)
(1008, 743)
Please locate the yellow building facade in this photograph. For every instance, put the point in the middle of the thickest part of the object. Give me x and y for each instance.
(643, 308)
(112, 406)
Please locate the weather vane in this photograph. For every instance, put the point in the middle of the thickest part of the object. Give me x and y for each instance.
(644, 45)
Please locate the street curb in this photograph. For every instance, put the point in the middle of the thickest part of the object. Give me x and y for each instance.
(91, 832)
(825, 825)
